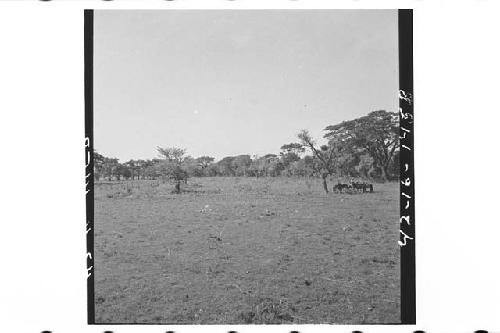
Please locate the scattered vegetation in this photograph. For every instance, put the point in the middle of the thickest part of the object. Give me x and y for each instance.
(367, 147)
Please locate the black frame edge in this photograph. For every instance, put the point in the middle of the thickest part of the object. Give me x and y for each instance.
(89, 156)
(407, 176)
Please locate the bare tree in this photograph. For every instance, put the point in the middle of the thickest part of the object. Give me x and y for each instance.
(324, 155)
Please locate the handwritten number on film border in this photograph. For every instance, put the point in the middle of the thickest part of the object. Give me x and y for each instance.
(406, 120)
(88, 174)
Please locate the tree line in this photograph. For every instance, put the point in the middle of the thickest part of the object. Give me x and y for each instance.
(365, 147)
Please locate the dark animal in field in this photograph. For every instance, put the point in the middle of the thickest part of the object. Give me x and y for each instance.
(357, 186)
(340, 187)
(365, 187)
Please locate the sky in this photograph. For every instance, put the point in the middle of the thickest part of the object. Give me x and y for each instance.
(230, 82)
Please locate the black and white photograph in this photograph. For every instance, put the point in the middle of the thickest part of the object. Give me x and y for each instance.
(246, 167)
(305, 166)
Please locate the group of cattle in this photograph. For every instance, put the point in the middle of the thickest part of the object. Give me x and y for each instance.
(353, 186)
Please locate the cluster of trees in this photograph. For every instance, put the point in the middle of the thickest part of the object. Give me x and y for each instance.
(364, 147)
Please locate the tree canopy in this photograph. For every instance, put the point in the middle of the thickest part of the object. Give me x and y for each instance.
(172, 154)
(364, 147)
(376, 134)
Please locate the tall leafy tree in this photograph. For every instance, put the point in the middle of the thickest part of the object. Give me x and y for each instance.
(376, 134)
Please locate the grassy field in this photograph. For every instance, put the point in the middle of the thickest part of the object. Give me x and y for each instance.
(245, 250)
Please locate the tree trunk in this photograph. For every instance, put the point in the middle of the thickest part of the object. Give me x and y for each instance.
(370, 172)
(325, 186)
(178, 187)
(384, 173)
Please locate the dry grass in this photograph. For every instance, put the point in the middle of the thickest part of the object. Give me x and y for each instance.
(245, 250)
